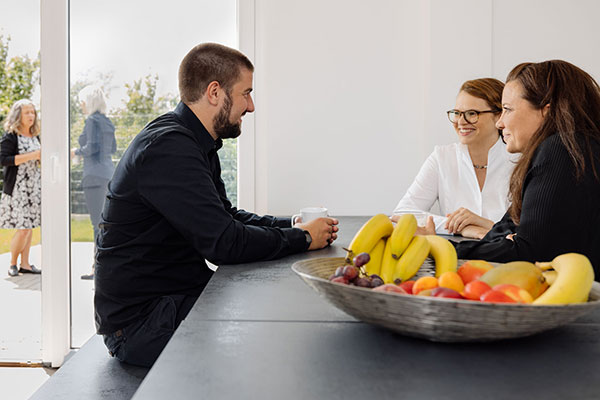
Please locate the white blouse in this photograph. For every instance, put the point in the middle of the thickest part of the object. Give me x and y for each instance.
(449, 177)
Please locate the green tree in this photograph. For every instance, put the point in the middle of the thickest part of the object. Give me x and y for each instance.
(19, 77)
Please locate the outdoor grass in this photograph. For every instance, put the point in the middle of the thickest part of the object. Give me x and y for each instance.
(81, 231)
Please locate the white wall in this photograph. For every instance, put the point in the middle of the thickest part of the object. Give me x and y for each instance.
(351, 95)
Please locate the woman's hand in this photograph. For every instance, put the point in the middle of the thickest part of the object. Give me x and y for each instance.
(428, 229)
(31, 156)
(474, 232)
(463, 217)
(322, 231)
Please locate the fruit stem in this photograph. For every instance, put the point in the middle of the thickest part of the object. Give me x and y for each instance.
(544, 266)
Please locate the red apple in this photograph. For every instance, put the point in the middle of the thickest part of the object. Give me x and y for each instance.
(340, 279)
(408, 286)
(390, 287)
(473, 269)
(495, 296)
(474, 289)
(518, 294)
(445, 292)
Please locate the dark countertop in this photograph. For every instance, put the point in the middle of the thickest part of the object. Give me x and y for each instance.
(258, 331)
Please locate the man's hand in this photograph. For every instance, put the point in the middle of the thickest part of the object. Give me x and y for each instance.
(322, 231)
(463, 217)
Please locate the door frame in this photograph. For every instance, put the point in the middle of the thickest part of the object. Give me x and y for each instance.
(56, 288)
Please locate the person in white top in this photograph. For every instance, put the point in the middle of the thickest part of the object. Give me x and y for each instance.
(469, 179)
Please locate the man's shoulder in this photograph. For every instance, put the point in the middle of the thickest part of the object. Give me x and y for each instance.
(167, 125)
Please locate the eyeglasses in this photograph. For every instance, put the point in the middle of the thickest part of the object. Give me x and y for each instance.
(471, 116)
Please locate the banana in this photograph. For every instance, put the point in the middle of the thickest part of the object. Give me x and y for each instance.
(444, 254)
(550, 276)
(388, 263)
(403, 233)
(374, 264)
(412, 259)
(367, 236)
(573, 283)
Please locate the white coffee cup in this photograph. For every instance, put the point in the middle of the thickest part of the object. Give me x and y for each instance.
(310, 213)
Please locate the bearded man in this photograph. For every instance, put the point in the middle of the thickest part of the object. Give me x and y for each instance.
(166, 212)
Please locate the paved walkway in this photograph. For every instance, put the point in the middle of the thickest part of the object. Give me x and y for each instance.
(21, 326)
(20, 310)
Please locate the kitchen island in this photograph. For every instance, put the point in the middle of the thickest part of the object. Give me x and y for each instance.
(258, 331)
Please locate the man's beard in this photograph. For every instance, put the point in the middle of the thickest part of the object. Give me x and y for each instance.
(223, 128)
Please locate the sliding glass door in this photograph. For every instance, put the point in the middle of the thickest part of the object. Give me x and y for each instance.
(124, 58)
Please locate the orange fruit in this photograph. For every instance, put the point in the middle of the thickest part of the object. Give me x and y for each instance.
(451, 280)
(426, 282)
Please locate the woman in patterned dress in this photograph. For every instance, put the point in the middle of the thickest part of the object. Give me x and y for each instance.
(20, 205)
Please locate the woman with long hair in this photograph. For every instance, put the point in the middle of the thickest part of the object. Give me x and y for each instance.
(20, 205)
(468, 179)
(551, 115)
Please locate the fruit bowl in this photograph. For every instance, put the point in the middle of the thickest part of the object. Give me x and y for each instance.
(439, 319)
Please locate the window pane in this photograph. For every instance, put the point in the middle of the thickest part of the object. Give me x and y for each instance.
(131, 51)
(20, 295)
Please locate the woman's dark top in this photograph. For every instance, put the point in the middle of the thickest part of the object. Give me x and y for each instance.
(559, 214)
(97, 142)
(9, 148)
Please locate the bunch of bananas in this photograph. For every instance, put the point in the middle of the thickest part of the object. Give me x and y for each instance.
(396, 252)
(570, 277)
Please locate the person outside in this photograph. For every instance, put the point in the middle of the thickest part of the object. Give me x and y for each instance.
(551, 115)
(469, 179)
(20, 205)
(97, 143)
(167, 212)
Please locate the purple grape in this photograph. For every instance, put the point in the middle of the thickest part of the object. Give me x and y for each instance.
(376, 282)
(362, 282)
(361, 259)
(339, 271)
(350, 272)
(373, 276)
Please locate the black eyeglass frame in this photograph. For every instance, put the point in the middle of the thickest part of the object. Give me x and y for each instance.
(464, 113)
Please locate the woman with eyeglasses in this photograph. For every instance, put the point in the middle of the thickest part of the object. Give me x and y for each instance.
(470, 178)
(551, 115)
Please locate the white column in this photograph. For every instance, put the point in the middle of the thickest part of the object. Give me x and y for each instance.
(246, 154)
(54, 52)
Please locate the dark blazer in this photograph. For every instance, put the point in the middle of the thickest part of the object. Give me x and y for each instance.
(560, 214)
(97, 142)
(9, 148)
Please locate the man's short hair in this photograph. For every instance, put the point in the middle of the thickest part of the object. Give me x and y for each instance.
(209, 62)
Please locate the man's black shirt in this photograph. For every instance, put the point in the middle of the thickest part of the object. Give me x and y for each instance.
(166, 211)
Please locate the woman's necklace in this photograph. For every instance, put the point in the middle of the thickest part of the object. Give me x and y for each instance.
(480, 166)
